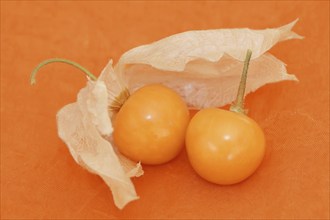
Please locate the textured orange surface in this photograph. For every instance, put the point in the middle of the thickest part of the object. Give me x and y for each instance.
(39, 178)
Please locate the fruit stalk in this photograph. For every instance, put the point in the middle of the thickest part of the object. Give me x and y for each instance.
(56, 60)
(238, 105)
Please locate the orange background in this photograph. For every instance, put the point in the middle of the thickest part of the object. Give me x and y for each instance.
(39, 178)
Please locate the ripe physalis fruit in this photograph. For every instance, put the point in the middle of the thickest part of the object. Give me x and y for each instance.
(225, 147)
(150, 126)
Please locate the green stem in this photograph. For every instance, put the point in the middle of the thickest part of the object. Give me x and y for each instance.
(238, 105)
(60, 60)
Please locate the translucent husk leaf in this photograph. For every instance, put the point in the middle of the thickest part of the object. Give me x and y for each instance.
(81, 126)
(204, 67)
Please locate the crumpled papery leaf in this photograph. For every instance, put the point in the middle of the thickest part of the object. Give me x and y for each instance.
(80, 126)
(204, 67)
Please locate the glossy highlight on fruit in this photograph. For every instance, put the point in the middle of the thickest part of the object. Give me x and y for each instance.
(151, 125)
(224, 147)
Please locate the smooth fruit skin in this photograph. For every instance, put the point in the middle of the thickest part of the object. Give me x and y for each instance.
(150, 127)
(224, 147)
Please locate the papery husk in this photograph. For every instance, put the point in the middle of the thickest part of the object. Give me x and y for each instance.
(204, 67)
(81, 126)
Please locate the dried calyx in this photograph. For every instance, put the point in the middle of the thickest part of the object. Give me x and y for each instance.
(119, 100)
